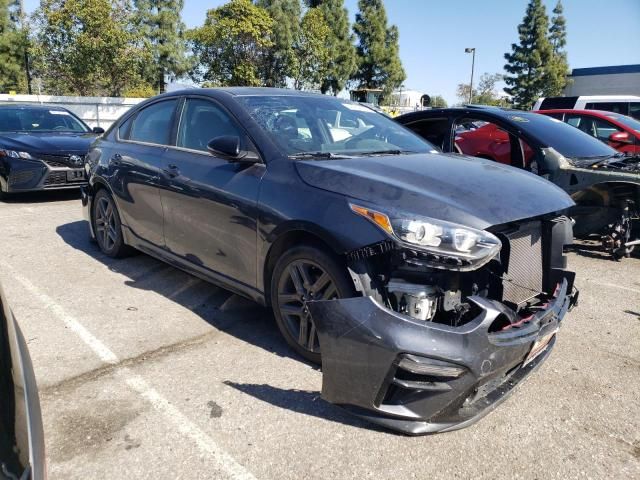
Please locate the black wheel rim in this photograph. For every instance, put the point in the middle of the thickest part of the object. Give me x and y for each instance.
(105, 219)
(300, 282)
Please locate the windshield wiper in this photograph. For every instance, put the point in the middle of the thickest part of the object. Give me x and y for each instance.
(327, 155)
(395, 151)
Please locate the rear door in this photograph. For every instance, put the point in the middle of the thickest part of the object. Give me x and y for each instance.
(136, 162)
(209, 202)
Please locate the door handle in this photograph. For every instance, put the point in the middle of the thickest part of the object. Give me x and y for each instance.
(172, 170)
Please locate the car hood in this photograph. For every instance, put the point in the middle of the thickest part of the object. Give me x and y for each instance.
(53, 143)
(466, 190)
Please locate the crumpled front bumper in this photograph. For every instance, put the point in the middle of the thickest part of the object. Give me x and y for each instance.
(363, 345)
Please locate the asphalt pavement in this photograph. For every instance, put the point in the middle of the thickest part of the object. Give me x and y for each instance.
(146, 372)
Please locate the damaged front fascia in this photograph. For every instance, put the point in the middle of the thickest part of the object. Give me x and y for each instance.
(364, 340)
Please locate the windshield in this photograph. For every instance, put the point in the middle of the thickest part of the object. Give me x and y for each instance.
(568, 140)
(327, 126)
(630, 122)
(33, 120)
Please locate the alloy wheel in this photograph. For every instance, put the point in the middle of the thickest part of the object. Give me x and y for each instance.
(105, 223)
(300, 282)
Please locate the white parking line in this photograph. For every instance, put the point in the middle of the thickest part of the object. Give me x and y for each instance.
(205, 443)
(613, 285)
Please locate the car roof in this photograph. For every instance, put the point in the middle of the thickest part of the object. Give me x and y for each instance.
(501, 112)
(245, 91)
(594, 113)
(32, 106)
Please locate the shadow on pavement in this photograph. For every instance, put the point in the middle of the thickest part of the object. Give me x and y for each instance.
(302, 401)
(45, 196)
(220, 308)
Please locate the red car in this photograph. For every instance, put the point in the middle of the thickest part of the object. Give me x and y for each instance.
(487, 140)
(618, 131)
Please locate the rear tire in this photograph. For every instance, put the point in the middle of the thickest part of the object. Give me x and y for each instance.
(107, 226)
(305, 273)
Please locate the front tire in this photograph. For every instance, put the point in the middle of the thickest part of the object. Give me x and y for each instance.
(303, 274)
(107, 226)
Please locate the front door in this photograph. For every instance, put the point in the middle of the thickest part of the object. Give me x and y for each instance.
(209, 202)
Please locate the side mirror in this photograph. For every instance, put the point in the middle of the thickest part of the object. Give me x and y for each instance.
(228, 147)
(620, 137)
(98, 130)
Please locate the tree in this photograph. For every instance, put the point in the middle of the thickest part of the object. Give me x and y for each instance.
(86, 47)
(526, 64)
(485, 94)
(13, 46)
(160, 27)
(378, 51)
(280, 58)
(342, 62)
(311, 52)
(232, 44)
(558, 66)
(438, 101)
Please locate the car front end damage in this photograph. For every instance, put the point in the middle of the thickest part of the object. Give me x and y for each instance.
(435, 344)
(607, 196)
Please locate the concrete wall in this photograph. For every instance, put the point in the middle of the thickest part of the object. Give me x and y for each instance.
(607, 84)
(95, 111)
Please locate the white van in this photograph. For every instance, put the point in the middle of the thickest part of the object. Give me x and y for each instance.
(624, 104)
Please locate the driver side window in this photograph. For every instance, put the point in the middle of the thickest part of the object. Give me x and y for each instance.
(201, 122)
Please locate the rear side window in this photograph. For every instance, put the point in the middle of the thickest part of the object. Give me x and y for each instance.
(153, 124)
(617, 107)
(201, 122)
(553, 103)
(634, 110)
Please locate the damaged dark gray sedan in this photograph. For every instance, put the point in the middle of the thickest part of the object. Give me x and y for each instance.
(428, 285)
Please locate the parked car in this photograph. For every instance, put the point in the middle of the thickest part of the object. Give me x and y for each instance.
(604, 183)
(622, 104)
(21, 434)
(618, 131)
(42, 148)
(430, 291)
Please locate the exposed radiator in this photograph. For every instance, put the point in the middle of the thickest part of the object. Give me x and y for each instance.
(523, 278)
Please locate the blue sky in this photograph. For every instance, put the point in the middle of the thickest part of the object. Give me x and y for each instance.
(434, 34)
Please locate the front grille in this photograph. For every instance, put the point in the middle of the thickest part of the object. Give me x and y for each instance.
(56, 178)
(56, 161)
(523, 277)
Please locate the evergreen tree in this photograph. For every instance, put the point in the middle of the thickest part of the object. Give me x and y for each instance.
(160, 26)
(526, 64)
(232, 45)
(13, 45)
(342, 62)
(311, 51)
(280, 59)
(378, 51)
(558, 66)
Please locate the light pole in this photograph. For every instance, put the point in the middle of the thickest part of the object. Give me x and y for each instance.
(473, 61)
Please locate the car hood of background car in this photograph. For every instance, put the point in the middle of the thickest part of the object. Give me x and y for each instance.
(465, 190)
(49, 142)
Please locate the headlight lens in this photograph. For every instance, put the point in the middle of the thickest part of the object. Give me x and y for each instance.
(447, 245)
(13, 154)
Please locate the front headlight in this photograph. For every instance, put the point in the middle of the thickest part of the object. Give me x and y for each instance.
(446, 245)
(13, 154)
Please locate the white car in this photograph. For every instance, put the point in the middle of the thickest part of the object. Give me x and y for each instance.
(624, 104)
